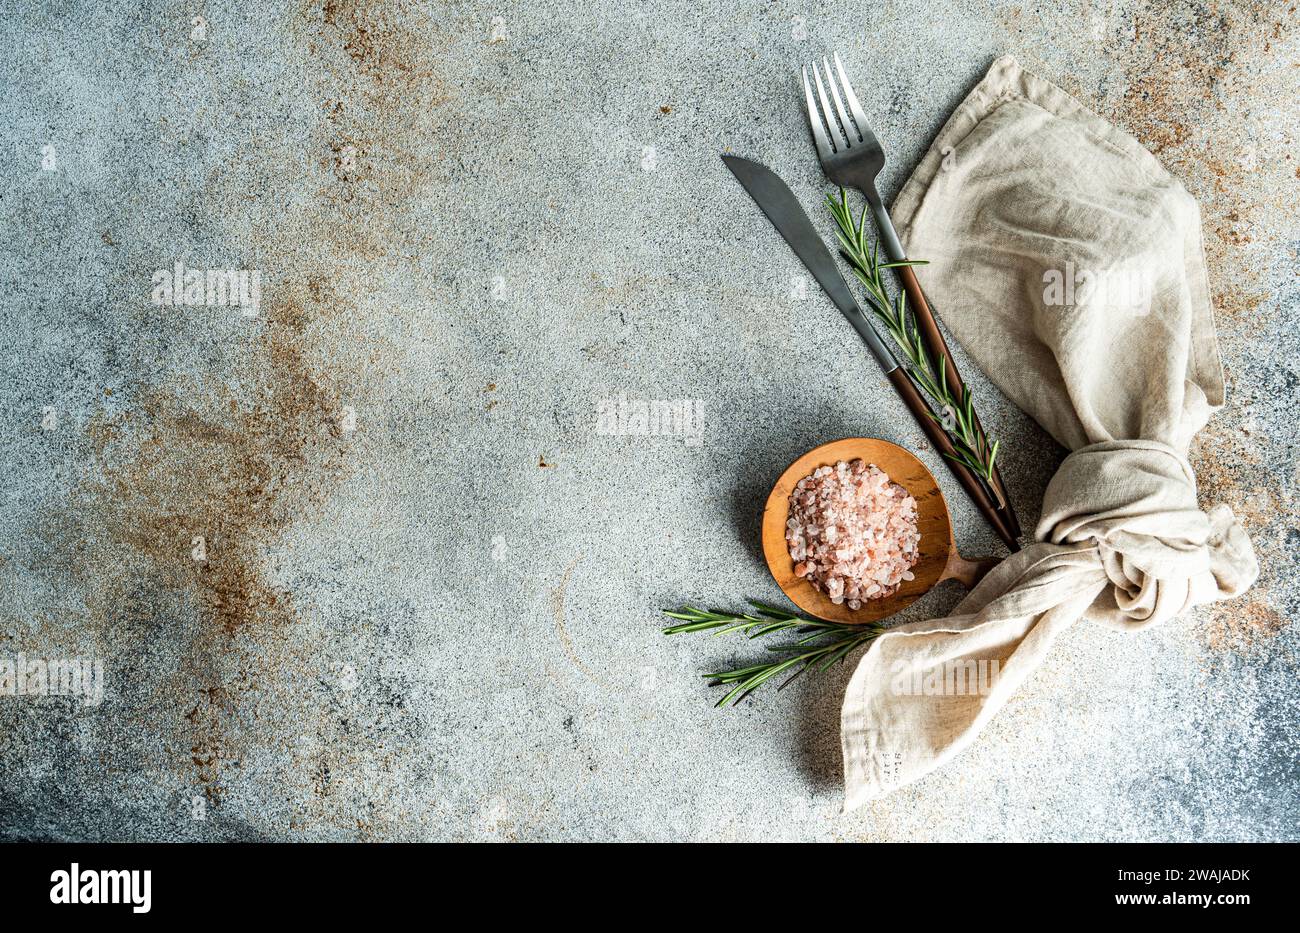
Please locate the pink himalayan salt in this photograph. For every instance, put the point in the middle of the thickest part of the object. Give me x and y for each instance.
(852, 533)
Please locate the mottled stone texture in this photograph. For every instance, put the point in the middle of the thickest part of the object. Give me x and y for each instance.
(473, 223)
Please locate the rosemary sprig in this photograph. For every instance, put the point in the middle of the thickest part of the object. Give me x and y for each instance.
(958, 414)
(819, 644)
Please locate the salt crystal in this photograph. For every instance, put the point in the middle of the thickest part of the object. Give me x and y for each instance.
(852, 532)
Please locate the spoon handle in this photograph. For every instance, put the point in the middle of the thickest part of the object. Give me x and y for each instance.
(967, 572)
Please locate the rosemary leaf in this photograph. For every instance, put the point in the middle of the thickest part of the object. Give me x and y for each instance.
(969, 449)
(819, 644)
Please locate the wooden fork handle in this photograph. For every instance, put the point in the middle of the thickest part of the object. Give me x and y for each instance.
(938, 347)
(967, 572)
(969, 482)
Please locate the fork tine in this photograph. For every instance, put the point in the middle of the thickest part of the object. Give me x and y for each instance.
(859, 116)
(824, 148)
(840, 140)
(849, 130)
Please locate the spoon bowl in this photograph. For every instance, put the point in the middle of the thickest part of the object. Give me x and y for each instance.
(939, 559)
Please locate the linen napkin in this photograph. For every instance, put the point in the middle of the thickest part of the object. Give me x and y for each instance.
(1069, 264)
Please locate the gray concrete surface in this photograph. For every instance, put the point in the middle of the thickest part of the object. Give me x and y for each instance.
(474, 222)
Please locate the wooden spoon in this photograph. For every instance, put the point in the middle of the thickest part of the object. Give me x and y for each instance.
(939, 558)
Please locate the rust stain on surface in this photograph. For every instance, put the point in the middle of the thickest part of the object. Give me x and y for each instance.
(1230, 470)
(1192, 76)
(191, 491)
(197, 461)
(1191, 98)
(176, 535)
(1242, 625)
(382, 106)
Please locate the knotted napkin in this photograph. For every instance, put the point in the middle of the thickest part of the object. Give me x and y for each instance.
(1069, 265)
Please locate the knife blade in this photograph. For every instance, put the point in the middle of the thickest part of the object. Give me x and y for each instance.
(782, 208)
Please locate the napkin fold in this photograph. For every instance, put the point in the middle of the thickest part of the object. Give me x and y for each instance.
(1069, 265)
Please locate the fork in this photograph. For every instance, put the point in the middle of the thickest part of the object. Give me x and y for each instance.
(852, 157)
